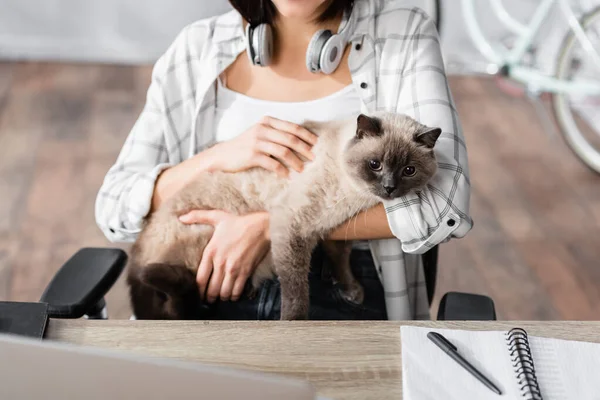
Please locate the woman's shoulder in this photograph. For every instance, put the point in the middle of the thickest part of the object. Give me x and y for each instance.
(195, 40)
(218, 28)
(393, 17)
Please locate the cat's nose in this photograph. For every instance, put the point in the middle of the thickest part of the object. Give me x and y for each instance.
(389, 189)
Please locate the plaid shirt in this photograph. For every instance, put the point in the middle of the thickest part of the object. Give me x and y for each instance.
(396, 65)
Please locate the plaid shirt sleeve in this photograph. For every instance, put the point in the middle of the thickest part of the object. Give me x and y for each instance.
(124, 198)
(440, 211)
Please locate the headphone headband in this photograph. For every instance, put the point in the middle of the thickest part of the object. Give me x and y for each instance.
(324, 52)
(348, 24)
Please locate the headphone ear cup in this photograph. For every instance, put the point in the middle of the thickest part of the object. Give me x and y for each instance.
(262, 41)
(259, 44)
(331, 55)
(249, 47)
(315, 47)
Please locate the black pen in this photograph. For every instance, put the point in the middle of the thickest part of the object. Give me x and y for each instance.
(452, 351)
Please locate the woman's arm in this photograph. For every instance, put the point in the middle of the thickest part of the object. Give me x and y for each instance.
(369, 224)
(270, 144)
(124, 197)
(150, 168)
(173, 179)
(441, 210)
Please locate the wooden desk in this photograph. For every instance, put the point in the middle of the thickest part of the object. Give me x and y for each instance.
(344, 360)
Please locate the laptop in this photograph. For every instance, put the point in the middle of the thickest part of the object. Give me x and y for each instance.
(35, 369)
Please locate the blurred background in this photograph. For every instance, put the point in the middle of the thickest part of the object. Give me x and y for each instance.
(73, 79)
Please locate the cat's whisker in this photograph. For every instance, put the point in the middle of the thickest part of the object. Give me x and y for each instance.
(355, 213)
(346, 231)
(352, 216)
(361, 208)
(338, 202)
(345, 197)
(356, 216)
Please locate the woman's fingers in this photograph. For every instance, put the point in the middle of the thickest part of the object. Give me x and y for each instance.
(285, 142)
(288, 140)
(207, 217)
(204, 270)
(271, 164)
(282, 153)
(292, 128)
(215, 283)
(227, 287)
(238, 287)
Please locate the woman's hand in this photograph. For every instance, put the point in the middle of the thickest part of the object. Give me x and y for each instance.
(238, 245)
(270, 144)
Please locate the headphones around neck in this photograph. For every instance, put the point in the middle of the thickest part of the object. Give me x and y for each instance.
(324, 51)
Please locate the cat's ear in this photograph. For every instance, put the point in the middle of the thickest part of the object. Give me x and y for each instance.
(368, 126)
(428, 137)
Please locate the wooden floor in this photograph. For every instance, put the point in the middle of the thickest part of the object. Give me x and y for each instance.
(535, 247)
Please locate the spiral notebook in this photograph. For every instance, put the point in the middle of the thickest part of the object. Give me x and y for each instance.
(522, 366)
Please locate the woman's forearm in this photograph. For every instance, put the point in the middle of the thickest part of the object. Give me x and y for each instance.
(369, 224)
(173, 179)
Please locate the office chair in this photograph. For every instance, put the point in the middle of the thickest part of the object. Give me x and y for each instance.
(78, 288)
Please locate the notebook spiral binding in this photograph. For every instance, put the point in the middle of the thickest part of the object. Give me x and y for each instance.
(522, 360)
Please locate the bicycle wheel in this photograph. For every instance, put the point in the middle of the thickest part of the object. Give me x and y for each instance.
(576, 114)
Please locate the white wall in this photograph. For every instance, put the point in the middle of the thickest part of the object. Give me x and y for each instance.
(138, 31)
(123, 31)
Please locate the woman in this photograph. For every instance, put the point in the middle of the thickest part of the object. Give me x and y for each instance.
(205, 90)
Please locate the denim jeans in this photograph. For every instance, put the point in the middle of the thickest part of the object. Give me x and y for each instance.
(326, 303)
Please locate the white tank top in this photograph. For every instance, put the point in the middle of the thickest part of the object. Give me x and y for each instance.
(235, 113)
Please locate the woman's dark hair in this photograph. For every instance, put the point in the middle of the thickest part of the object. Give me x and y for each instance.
(263, 11)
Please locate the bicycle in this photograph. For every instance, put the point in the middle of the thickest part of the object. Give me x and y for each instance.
(575, 86)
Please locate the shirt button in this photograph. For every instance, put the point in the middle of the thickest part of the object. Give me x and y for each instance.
(451, 222)
(357, 46)
(364, 85)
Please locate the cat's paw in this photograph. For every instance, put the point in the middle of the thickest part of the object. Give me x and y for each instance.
(295, 313)
(293, 316)
(353, 293)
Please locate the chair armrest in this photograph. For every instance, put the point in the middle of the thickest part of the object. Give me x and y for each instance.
(456, 306)
(83, 281)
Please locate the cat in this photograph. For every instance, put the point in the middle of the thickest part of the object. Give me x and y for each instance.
(358, 162)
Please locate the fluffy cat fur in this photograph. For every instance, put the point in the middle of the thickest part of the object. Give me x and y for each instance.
(359, 162)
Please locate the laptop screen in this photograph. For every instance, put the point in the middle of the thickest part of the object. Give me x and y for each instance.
(49, 370)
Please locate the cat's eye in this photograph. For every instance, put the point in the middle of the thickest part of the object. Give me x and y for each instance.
(375, 165)
(409, 171)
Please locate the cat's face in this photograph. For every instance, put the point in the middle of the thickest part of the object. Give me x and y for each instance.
(391, 155)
